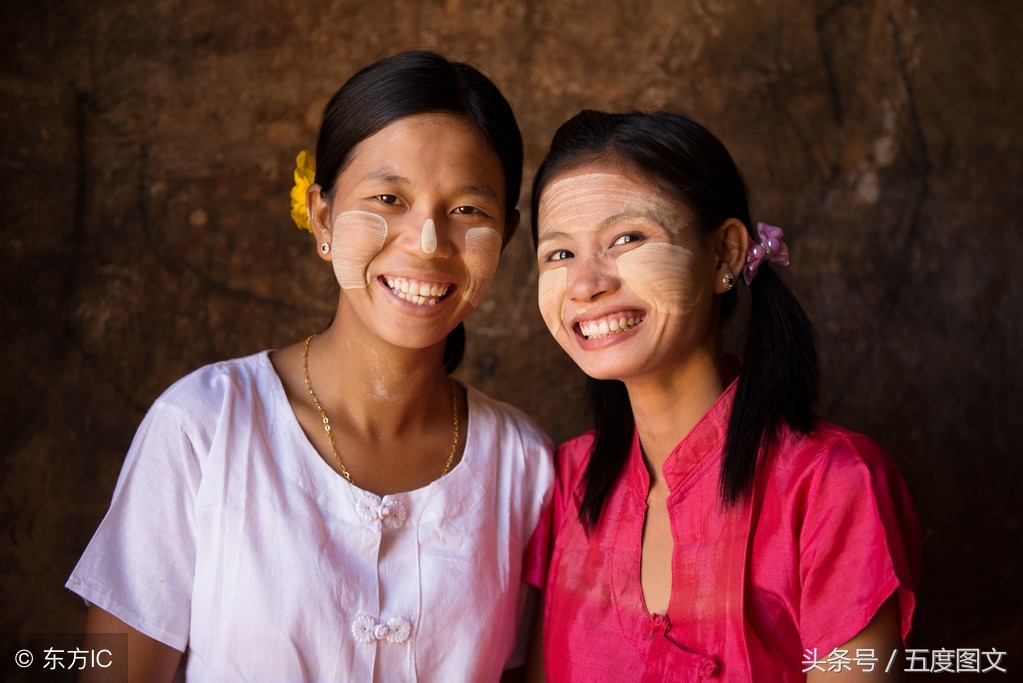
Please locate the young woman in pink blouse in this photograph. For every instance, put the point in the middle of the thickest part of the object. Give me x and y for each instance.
(710, 527)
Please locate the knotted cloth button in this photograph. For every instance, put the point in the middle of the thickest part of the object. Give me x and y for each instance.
(709, 666)
(367, 630)
(391, 514)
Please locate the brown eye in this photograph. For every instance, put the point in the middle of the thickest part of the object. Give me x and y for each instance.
(559, 255)
(470, 211)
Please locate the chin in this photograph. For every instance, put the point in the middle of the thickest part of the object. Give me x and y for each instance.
(607, 371)
(415, 339)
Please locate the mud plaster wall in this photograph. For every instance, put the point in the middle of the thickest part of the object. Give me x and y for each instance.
(147, 153)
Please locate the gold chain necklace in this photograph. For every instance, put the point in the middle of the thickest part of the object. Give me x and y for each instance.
(330, 435)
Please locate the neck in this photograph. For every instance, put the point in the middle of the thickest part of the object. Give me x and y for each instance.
(668, 405)
(385, 388)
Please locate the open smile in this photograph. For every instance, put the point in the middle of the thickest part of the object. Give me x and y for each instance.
(418, 292)
(609, 325)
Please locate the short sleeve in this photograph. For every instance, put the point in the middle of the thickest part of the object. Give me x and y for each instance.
(540, 475)
(570, 463)
(535, 561)
(140, 564)
(537, 555)
(859, 544)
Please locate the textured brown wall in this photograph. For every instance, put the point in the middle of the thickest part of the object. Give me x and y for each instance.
(147, 151)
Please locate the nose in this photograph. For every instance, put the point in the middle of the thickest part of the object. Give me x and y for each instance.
(428, 236)
(592, 277)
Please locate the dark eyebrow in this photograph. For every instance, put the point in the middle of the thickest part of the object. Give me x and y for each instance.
(482, 191)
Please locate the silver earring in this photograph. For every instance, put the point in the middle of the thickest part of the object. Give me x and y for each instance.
(728, 281)
(325, 247)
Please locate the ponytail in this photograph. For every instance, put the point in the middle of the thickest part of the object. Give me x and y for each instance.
(778, 382)
(613, 430)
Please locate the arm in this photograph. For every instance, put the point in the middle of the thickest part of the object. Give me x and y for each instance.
(534, 670)
(882, 635)
(859, 546)
(148, 659)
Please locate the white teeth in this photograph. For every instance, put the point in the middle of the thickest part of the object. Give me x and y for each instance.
(605, 327)
(422, 293)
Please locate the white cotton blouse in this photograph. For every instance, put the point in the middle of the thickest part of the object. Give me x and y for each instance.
(230, 539)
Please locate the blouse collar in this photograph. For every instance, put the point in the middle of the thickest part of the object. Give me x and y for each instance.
(705, 443)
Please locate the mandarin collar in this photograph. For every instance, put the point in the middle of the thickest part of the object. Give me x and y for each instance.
(705, 442)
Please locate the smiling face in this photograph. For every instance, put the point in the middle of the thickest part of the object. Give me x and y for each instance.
(625, 284)
(415, 224)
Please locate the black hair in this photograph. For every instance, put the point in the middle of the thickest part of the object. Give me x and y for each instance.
(419, 82)
(779, 375)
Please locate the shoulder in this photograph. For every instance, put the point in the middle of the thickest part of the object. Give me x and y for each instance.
(216, 381)
(832, 450)
(507, 444)
(572, 456)
(224, 374)
(838, 480)
(511, 454)
(833, 474)
(577, 449)
(857, 533)
(198, 402)
(505, 421)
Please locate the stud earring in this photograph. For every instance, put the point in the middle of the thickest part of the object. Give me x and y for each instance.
(728, 281)
(325, 247)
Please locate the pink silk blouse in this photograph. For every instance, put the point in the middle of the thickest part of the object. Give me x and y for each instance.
(827, 536)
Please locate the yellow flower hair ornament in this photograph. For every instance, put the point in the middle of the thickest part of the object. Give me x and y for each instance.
(305, 173)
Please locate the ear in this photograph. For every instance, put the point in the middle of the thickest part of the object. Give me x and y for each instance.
(732, 246)
(319, 218)
(510, 226)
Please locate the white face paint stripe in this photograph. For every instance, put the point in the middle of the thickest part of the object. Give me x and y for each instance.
(482, 254)
(358, 237)
(660, 274)
(428, 238)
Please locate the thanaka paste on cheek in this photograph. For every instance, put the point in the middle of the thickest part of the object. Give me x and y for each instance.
(661, 275)
(482, 253)
(358, 237)
(552, 290)
(428, 238)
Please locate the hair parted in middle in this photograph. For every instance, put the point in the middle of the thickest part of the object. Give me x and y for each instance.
(419, 82)
(779, 375)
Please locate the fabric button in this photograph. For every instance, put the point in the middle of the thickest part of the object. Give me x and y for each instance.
(367, 630)
(709, 666)
(391, 514)
(659, 623)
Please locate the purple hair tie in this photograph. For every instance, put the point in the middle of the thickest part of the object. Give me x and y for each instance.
(768, 248)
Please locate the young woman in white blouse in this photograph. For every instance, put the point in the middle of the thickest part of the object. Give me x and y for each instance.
(341, 508)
